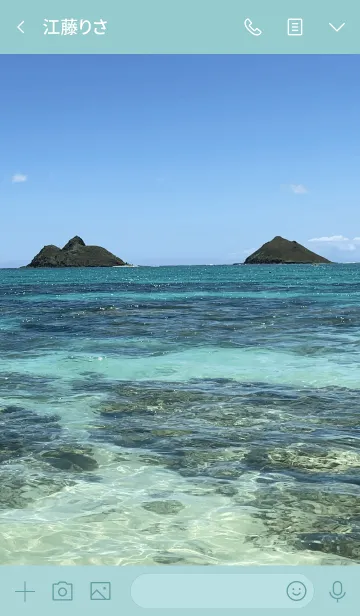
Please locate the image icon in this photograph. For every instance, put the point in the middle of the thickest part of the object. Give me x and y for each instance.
(62, 591)
(296, 591)
(295, 26)
(100, 591)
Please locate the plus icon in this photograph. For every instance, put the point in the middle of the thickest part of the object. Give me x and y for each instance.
(25, 592)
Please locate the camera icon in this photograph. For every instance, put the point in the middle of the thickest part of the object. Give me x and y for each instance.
(62, 591)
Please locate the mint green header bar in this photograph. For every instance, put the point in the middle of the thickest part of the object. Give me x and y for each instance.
(181, 27)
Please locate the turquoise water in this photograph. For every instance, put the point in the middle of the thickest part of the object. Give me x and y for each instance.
(180, 415)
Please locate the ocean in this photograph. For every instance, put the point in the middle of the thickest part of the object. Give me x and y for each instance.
(180, 415)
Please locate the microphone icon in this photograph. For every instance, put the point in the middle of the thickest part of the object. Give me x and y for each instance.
(337, 591)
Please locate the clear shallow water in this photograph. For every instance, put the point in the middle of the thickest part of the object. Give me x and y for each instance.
(183, 415)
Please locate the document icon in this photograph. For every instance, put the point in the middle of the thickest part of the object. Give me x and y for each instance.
(100, 591)
(295, 26)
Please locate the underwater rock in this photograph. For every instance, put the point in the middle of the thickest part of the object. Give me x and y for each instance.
(31, 466)
(344, 545)
(70, 459)
(309, 517)
(226, 490)
(18, 491)
(222, 434)
(169, 559)
(164, 507)
(23, 432)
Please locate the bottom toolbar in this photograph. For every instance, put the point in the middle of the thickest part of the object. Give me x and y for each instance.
(132, 590)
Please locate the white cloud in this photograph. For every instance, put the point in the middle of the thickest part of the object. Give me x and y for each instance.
(340, 242)
(298, 189)
(332, 239)
(18, 177)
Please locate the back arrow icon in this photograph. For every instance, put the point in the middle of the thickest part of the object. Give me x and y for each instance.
(337, 29)
(19, 27)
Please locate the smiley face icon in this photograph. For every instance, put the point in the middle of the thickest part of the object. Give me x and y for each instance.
(296, 591)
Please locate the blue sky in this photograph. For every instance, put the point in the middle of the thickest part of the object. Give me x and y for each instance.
(180, 159)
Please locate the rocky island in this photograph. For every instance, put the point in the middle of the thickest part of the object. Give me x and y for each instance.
(280, 250)
(75, 254)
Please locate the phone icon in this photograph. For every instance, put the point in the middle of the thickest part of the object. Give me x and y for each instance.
(248, 25)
